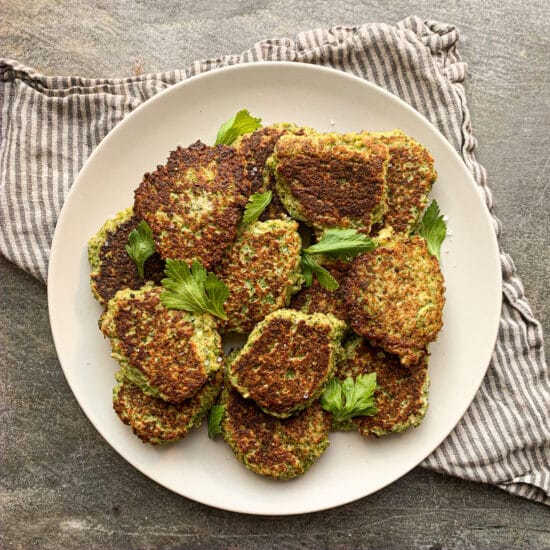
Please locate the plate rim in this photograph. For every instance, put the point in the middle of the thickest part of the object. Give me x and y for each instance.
(251, 66)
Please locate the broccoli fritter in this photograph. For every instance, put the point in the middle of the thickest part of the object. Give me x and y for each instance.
(409, 178)
(194, 202)
(261, 270)
(395, 297)
(274, 447)
(332, 180)
(167, 353)
(287, 360)
(156, 421)
(402, 394)
(316, 299)
(112, 267)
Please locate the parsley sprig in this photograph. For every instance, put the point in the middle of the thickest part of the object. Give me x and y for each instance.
(349, 398)
(239, 124)
(310, 267)
(194, 289)
(140, 245)
(342, 244)
(214, 421)
(257, 203)
(433, 228)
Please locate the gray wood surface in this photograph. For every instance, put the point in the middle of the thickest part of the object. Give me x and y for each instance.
(62, 486)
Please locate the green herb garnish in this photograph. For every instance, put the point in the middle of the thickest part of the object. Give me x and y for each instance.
(236, 126)
(257, 203)
(433, 228)
(140, 245)
(194, 289)
(310, 267)
(215, 420)
(342, 244)
(351, 397)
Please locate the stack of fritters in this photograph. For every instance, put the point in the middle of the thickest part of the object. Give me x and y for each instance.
(279, 429)
(387, 309)
(168, 353)
(392, 296)
(169, 361)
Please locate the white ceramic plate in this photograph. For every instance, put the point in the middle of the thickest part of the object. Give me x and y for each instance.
(325, 99)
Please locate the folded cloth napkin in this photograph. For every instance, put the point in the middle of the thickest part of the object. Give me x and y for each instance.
(50, 125)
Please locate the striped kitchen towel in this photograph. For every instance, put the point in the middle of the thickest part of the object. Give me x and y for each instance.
(50, 125)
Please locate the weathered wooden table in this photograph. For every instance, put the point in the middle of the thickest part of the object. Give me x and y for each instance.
(62, 486)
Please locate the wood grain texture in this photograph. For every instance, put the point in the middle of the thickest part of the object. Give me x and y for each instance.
(62, 486)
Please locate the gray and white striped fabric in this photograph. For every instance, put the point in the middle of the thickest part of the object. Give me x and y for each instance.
(50, 125)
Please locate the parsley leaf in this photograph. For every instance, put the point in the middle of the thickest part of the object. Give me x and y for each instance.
(343, 244)
(193, 289)
(257, 203)
(140, 245)
(214, 421)
(311, 267)
(351, 397)
(433, 228)
(236, 126)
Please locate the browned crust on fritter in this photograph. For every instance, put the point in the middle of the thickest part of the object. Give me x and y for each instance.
(172, 422)
(283, 347)
(409, 178)
(275, 209)
(156, 340)
(384, 292)
(117, 270)
(316, 299)
(315, 175)
(268, 263)
(256, 148)
(163, 192)
(400, 393)
(280, 448)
